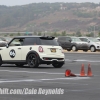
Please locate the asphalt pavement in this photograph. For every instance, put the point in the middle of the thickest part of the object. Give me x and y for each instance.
(41, 80)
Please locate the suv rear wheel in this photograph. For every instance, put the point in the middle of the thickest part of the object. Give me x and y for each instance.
(32, 60)
(57, 65)
(74, 48)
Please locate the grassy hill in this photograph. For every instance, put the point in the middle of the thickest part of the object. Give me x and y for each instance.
(50, 17)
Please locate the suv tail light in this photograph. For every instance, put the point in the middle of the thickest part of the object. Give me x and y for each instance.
(40, 49)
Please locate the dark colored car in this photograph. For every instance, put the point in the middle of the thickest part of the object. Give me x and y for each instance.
(72, 43)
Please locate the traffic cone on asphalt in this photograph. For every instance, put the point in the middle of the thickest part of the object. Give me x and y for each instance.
(82, 73)
(89, 73)
(69, 74)
(73, 75)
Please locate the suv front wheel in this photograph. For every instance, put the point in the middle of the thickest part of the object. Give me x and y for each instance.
(32, 60)
(57, 65)
(92, 49)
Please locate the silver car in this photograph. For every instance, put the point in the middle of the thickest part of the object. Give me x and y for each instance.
(94, 44)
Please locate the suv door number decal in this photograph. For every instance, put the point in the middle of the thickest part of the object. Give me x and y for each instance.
(12, 53)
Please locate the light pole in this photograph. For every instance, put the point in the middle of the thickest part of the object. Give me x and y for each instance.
(94, 31)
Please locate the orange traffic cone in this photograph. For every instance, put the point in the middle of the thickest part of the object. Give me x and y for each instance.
(82, 73)
(89, 73)
(67, 73)
(73, 75)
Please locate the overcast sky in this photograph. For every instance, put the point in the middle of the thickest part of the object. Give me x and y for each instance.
(23, 2)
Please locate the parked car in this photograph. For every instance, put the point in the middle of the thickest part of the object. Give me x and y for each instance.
(72, 43)
(2, 43)
(98, 38)
(94, 44)
(32, 50)
(2, 38)
(8, 39)
(5, 39)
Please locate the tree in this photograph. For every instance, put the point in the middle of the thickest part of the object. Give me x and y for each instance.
(5, 34)
(55, 34)
(78, 33)
(90, 34)
(18, 34)
(73, 34)
(64, 33)
(39, 34)
(35, 33)
(99, 34)
(11, 34)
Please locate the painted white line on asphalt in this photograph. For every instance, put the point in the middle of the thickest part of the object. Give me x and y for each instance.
(54, 73)
(15, 81)
(63, 83)
(82, 60)
(69, 78)
(87, 60)
(30, 72)
(13, 71)
(40, 80)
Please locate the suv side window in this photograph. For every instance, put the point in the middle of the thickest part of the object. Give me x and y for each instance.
(30, 41)
(81, 39)
(84, 39)
(61, 39)
(68, 39)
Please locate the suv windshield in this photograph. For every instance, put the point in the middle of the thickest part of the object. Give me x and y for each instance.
(49, 42)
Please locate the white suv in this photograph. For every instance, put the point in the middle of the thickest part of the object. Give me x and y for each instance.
(32, 50)
(94, 44)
